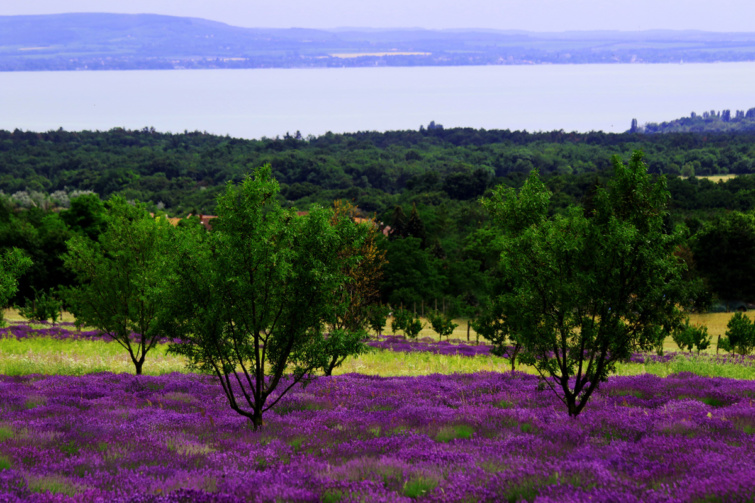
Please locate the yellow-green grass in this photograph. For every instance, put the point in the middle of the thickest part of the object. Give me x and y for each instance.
(715, 178)
(395, 363)
(44, 355)
(11, 314)
(70, 357)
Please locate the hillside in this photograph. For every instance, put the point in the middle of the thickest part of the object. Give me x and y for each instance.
(146, 41)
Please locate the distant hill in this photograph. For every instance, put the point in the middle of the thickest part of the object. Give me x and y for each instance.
(712, 122)
(147, 41)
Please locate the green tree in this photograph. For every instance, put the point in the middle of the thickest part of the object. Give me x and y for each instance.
(86, 215)
(491, 325)
(362, 265)
(123, 277)
(586, 291)
(253, 296)
(740, 335)
(377, 317)
(691, 337)
(12, 264)
(442, 325)
(45, 306)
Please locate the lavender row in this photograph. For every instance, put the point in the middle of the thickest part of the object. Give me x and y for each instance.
(59, 331)
(480, 437)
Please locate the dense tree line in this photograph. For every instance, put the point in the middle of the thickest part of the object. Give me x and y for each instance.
(423, 187)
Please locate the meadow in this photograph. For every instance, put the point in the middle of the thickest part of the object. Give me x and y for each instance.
(407, 421)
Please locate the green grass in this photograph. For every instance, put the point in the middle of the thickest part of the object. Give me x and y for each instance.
(703, 366)
(417, 487)
(449, 433)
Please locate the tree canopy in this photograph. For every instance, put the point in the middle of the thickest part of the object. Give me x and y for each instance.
(123, 277)
(586, 289)
(252, 297)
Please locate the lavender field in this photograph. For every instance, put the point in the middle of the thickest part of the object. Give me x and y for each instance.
(485, 436)
(474, 437)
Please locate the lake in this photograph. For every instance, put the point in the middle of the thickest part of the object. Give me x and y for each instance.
(256, 103)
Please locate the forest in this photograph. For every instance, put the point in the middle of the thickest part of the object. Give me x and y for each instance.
(423, 187)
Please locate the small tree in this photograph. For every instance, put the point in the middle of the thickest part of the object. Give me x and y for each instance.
(401, 319)
(442, 324)
(377, 317)
(691, 337)
(490, 324)
(13, 263)
(413, 327)
(253, 296)
(740, 335)
(123, 277)
(45, 306)
(405, 320)
(586, 290)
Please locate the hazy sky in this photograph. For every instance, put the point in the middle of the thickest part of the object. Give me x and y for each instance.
(535, 15)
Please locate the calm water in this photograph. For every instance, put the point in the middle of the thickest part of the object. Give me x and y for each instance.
(256, 103)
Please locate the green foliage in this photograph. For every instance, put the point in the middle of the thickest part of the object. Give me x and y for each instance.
(401, 319)
(123, 278)
(340, 344)
(87, 215)
(491, 325)
(586, 289)
(12, 264)
(724, 253)
(740, 335)
(442, 324)
(404, 320)
(413, 327)
(691, 337)
(377, 317)
(45, 306)
(412, 274)
(252, 297)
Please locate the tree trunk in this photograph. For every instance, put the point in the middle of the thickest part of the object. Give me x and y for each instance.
(256, 420)
(138, 366)
(469, 322)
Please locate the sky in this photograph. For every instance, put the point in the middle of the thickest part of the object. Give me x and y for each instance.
(531, 15)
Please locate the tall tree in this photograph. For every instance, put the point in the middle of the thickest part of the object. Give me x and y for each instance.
(415, 227)
(12, 264)
(253, 296)
(587, 291)
(123, 277)
(363, 267)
